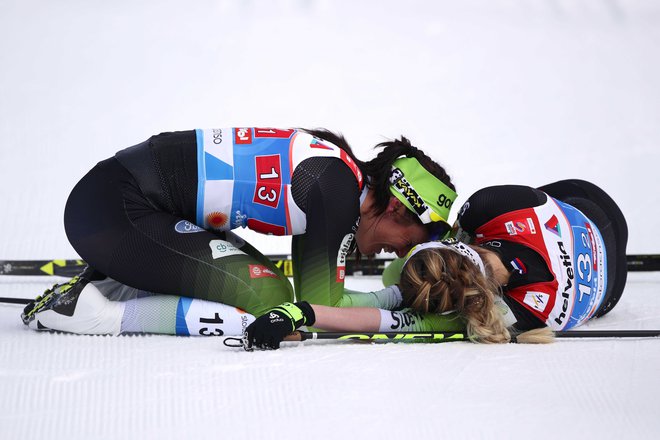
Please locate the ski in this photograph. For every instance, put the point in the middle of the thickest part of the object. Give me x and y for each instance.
(70, 268)
(64, 268)
(364, 266)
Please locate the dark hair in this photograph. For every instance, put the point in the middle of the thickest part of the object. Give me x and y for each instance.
(379, 168)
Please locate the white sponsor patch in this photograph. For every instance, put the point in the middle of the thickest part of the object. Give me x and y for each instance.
(344, 248)
(532, 228)
(507, 314)
(221, 249)
(537, 300)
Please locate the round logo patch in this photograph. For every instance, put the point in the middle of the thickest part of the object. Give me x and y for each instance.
(216, 220)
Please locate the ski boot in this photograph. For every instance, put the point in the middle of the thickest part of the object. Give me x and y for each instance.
(76, 306)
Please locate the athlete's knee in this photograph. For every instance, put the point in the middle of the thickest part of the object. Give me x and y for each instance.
(271, 293)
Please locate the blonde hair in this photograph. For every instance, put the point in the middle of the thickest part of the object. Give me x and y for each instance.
(440, 280)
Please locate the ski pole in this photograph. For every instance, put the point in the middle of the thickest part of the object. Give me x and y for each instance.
(607, 334)
(359, 336)
(4, 299)
(434, 336)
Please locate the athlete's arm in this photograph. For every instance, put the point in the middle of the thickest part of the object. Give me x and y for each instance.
(354, 319)
(369, 319)
(270, 329)
(327, 191)
(388, 298)
(409, 321)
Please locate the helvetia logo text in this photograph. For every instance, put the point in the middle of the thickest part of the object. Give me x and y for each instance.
(566, 293)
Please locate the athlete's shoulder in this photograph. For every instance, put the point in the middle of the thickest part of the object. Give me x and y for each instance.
(493, 201)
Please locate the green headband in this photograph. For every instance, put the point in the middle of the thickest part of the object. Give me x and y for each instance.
(420, 191)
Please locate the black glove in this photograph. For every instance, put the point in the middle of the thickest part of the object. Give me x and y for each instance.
(268, 330)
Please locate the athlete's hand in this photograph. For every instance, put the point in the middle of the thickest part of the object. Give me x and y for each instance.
(268, 330)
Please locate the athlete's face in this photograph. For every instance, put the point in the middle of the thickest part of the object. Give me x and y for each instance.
(392, 231)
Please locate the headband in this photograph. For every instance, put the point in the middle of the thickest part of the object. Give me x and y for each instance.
(452, 245)
(420, 191)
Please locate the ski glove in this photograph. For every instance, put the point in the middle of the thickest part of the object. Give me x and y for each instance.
(268, 330)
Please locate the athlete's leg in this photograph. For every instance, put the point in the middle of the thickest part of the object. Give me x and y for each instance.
(604, 212)
(183, 316)
(121, 233)
(148, 312)
(84, 307)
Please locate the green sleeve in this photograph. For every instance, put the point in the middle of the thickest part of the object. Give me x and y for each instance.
(408, 321)
(392, 273)
(388, 298)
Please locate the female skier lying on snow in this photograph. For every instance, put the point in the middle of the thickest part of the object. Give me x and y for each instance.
(158, 217)
(547, 258)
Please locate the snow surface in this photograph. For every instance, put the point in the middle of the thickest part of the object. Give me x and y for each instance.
(499, 91)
